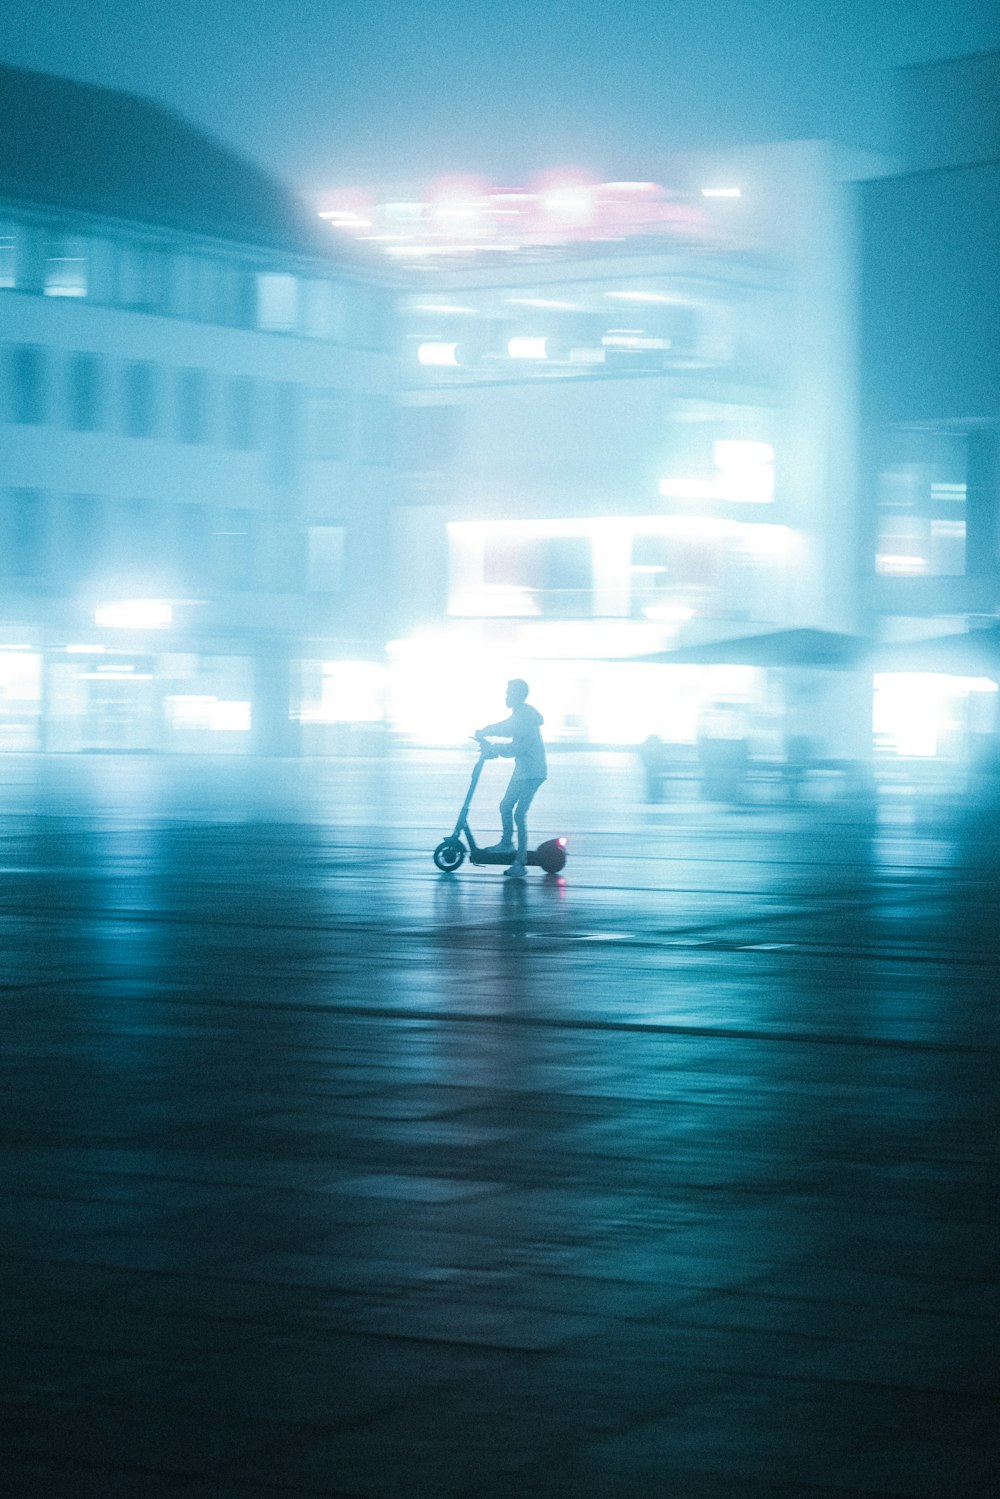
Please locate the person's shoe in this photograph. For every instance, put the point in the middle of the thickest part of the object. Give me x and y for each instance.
(503, 847)
(516, 871)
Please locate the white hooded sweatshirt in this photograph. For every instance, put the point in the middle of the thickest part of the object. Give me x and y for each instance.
(523, 729)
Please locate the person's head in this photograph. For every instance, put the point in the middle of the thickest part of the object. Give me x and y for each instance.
(517, 692)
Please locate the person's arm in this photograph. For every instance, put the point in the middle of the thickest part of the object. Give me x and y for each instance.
(505, 730)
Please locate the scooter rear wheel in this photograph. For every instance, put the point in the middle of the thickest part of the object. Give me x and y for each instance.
(449, 855)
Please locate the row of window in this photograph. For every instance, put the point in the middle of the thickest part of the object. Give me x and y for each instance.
(89, 393)
(149, 277)
(72, 542)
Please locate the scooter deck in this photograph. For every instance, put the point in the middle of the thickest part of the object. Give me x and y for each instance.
(481, 856)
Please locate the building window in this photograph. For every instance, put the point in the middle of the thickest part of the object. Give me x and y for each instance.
(329, 428)
(242, 425)
(192, 406)
(140, 276)
(323, 308)
(369, 318)
(193, 544)
(428, 437)
(922, 485)
(325, 559)
(137, 535)
(140, 399)
(26, 365)
(277, 302)
(375, 430)
(286, 442)
(235, 548)
(84, 534)
(22, 534)
(66, 267)
(8, 255)
(85, 392)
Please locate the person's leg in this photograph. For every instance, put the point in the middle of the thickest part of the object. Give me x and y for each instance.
(525, 796)
(507, 818)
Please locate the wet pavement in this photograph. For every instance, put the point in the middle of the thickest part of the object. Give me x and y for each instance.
(325, 1173)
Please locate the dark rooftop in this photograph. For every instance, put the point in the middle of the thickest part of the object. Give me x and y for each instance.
(75, 146)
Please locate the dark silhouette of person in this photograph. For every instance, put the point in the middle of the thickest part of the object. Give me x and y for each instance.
(523, 731)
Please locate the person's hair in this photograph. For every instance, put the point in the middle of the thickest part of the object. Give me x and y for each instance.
(518, 688)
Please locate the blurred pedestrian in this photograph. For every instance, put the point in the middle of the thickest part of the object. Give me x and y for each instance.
(653, 754)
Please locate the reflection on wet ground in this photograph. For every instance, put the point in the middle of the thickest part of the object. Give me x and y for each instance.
(325, 1173)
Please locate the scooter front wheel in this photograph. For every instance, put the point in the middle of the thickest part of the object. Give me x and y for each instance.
(449, 855)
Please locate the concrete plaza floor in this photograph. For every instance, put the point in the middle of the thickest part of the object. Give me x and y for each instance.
(327, 1174)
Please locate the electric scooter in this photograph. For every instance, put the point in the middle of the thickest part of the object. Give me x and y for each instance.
(450, 852)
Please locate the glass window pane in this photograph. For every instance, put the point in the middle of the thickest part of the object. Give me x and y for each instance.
(277, 302)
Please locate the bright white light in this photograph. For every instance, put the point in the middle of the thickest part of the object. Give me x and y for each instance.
(528, 348)
(85, 650)
(633, 341)
(677, 614)
(721, 192)
(922, 714)
(900, 565)
(442, 355)
(497, 599)
(544, 302)
(354, 691)
(744, 476)
(135, 614)
(453, 309)
(203, 712)
(746, 471)
(660, 297)
(690, 489)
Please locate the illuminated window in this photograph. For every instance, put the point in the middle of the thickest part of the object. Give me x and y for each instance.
(325, 559)
(192, 406)
(86, 392)
(66, 267)
(277, 302)
(140, 399)
(921, 525)
(567, 577)
(27, 378)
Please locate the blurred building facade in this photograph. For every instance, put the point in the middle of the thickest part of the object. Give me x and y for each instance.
(930, 398)
(195, 439)
(627, 424)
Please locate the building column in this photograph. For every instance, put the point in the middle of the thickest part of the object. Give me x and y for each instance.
(274, 731)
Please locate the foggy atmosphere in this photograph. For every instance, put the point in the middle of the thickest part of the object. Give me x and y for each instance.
(499, 750)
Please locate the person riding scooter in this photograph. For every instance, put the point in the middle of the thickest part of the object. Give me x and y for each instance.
(523, 730)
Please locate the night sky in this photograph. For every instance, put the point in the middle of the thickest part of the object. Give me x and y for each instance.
(337, 92)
